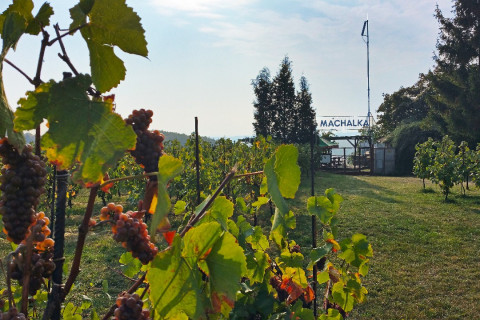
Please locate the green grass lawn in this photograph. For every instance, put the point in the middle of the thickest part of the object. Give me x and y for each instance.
(426, 262)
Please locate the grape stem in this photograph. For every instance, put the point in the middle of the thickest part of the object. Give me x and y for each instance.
(26, 273)
(132, 289)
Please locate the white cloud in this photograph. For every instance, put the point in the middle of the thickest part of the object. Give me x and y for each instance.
(202, 8)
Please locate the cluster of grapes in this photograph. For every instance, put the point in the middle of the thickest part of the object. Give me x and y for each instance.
(40, 232)
(149, 146)
(42, 266)
(12, 314)
(129, 307)
(131, 231)
(22, 181)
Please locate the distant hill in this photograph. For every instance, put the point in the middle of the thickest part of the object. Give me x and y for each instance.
(181, 137)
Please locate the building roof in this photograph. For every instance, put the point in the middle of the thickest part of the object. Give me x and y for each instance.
(325, 143)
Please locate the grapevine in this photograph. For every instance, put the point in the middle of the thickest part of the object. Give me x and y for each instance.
(22, 183)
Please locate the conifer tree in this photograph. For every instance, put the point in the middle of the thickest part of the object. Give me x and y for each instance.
(262, 87)
(306, 124)
(283, 102)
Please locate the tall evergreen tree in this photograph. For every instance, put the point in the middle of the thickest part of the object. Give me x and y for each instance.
(283, 102)
(262, 87)
(306, 124)
(456, 79)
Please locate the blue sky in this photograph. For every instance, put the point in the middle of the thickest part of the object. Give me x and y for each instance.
(203, 55)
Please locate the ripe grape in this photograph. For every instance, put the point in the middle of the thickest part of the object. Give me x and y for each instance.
(129, 307)
(149, 147)
(130, 230)
(22, 181)
(41, 266)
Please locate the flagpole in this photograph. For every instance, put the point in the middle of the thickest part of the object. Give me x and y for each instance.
(365, 28)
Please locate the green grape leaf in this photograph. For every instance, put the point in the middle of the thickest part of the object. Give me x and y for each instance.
(287, 170)
(132, 265)
(6, 119)
(260, 202)
(199, 241)
(318, 253)
(258, 240)
(168, 168)
(111, 24)
(297, 275)
(78, 16)
(227, 264)
(221, 210)
(69, 312)
(290, 259)
(82, 132)
(356, 250)
(107, 69)
(13, 28)
(333, 314)
(179, 207)
(175, 285)
(23, 8)
(240, 203)
(323, 277)
(342, 297)
(298, 312)
(245, 230)
(256, 265)
(42, 19)
(325, 207)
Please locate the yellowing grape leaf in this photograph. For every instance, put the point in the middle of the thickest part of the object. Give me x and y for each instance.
(82, 132)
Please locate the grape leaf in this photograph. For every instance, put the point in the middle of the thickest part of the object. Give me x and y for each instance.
(111, 23)
(81, 131)
(287, 170)
(41, 19)
(256, 265)
(221, 210)
(6, 118)
(175, 286)
(168, 168)
(342, 297)
(107, 69)
(199, 241)
(227, 264)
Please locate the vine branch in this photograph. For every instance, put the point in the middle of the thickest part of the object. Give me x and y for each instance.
(138, 176)
(249, 174)
(20, 70)
(196, 218)
(82, 235)
(69, 32)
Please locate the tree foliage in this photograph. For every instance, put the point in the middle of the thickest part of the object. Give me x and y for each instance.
(447, 98)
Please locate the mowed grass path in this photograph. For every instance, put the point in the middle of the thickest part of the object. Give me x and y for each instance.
(426, 262)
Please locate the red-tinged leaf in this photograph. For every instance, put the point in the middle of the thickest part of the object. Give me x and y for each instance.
(106, 188)
(294, 290)
(205, 255)
(309, 294)
(169, 235)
